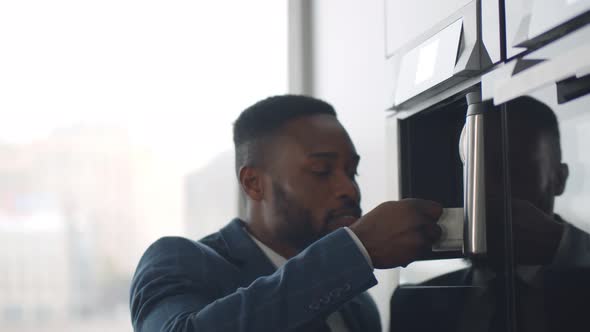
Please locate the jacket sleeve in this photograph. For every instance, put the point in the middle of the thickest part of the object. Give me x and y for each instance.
(176, 281)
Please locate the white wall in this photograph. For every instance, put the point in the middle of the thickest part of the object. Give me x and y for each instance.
(350, 71)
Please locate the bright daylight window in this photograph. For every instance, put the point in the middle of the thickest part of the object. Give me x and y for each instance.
(115, 129)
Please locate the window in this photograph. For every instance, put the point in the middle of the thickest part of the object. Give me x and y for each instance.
(111, 112)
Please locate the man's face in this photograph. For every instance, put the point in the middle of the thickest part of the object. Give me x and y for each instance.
(535, 170)
(535, 165)
(311, 177)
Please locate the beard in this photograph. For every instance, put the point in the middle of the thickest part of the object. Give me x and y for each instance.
(295, 224)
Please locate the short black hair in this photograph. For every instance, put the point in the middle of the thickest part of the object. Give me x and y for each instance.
(533, 116)
(259, 122)
(528, 120)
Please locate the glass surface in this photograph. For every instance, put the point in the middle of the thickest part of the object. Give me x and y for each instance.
(549, 163)
(431, 168)
(534, 276)
(463, 294)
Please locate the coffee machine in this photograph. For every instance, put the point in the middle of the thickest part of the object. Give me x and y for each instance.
(491, 113)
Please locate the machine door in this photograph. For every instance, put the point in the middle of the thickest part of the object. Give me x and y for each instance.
(547, 168)
(456, 154)
(533, 272)
(525, 260)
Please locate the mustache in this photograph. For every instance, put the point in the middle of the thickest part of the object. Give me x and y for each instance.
(350, 208)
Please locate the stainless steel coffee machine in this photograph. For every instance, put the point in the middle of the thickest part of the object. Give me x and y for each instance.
(491, 111)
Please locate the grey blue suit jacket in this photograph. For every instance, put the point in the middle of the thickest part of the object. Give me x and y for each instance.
(224, 282)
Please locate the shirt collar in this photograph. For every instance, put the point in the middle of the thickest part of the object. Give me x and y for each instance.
(276, 259)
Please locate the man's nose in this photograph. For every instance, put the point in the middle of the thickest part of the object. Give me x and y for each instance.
(347, 188)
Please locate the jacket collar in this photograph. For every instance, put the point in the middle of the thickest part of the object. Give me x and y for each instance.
(244, 252)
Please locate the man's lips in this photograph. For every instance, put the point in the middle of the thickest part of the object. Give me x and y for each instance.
(344, 217)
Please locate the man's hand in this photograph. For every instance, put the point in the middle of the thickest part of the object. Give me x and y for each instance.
(396, 233)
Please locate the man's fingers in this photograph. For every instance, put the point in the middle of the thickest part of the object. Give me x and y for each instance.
(432, 232)
(431, 209)
(422, 236)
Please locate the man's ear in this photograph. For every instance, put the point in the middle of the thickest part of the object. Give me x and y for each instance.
(251, 182)
(563, 173)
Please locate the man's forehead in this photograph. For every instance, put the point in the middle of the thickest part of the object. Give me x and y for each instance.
(318, 136)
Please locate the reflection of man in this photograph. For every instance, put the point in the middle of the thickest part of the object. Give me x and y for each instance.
(550, 255)
(537, 176)
(300, 260)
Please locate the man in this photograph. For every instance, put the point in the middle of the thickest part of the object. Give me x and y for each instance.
(303, 257)
(550, 256)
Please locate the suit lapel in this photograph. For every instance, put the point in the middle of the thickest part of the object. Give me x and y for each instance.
(245, 253)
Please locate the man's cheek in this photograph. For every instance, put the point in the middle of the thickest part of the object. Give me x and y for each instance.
(320, 224)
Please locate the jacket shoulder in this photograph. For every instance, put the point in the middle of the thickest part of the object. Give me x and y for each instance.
(175, 266)
(178, 253)
(178, 258)
(176, 246)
